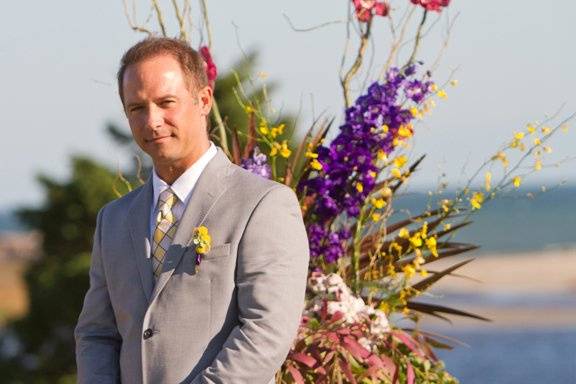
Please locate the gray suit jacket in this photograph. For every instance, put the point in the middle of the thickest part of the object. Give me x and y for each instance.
(233, 321)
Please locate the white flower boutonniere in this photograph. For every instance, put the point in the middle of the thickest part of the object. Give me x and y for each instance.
(202, 242)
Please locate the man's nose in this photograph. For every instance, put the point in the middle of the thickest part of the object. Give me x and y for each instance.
(154, 117)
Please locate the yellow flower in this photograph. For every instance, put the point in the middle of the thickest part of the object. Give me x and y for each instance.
(409, 271)
(396, 247)
(477, 200)
(419, 259)
(284, 150)
(386, 192)
(404, 233)
(546, 130)
(249, 109)
(454, 82)
(381, 155)
(519, 135)
(390, 270)
(376, 216)
(442, 94)
(424, 230)
(433, 87)
(431, 244)
(516, 181)
(274, 132)
(385, 128)
(384, 307)
(547, 149)
(404, 131)
(396, 173)
(274, 149)
(488, 180)
(537, 141)
(538, 165)
(202, 240)
(531, 128)
(447, 226)
(416, 240)
(400, 161)
(502, 157)
(378, 203)
(446, 204)
(315, 164)
(359, 187)
(415, 113)
(423, 272)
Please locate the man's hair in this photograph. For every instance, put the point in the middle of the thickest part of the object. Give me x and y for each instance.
(192, 64)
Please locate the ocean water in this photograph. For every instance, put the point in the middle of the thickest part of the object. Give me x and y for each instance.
(522, 356)
(513, 223)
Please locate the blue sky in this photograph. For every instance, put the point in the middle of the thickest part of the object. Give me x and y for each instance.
(514, 62)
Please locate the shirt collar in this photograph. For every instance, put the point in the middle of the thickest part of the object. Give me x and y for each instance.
(183, 185)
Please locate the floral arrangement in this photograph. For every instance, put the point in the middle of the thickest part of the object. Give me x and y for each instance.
(367, 268)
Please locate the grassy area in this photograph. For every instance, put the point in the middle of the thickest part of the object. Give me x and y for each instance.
(13, 299)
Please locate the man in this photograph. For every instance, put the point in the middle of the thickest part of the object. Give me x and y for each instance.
(159, 308)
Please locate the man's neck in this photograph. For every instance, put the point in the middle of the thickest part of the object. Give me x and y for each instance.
(169, 173)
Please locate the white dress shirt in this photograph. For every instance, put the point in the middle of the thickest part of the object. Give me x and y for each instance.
(182, 187)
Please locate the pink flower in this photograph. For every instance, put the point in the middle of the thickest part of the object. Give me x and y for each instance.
(365, 9)
(432, 5)
(211, 71)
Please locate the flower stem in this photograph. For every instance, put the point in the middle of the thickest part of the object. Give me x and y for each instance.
(418, 39)
(345, 82)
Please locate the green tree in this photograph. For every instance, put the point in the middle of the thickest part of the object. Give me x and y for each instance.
(58, 280)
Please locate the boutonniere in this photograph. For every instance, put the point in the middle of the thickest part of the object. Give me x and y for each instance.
(201, 241)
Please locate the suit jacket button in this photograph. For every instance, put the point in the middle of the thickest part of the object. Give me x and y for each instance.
(147, 334)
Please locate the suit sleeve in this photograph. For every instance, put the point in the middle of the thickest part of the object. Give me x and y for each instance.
(271, 275)
(97, 339)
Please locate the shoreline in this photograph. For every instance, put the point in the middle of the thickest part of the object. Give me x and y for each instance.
(534, 289)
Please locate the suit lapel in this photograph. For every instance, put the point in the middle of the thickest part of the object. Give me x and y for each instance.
(209, 187)
(139, 225)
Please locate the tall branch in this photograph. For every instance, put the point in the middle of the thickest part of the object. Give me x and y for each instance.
(418, 39)
(364, 39)
(215, 110)
(159, 16)
(181, 20)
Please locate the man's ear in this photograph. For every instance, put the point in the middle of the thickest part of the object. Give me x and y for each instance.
(205, 99)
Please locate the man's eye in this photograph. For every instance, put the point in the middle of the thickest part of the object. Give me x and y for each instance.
(167, 103)
(135, 109)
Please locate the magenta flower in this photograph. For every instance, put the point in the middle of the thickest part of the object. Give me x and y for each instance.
(432, 5)
(211, 71)
(365, 9)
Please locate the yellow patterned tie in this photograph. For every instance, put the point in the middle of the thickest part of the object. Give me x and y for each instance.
(166, 225)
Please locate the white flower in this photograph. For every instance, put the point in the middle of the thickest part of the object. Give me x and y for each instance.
(332, 291)
(366, 343)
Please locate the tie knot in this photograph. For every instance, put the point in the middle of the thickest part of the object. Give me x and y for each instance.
(168, 198)
(166, 202)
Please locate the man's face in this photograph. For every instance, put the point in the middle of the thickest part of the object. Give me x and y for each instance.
(166, 115)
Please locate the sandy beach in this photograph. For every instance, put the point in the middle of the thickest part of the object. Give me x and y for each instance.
(532, 289)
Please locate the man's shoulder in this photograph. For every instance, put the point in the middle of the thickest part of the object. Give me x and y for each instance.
(123, 203)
